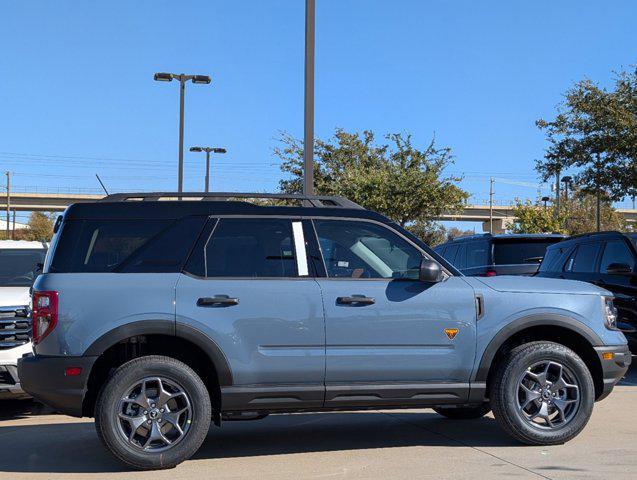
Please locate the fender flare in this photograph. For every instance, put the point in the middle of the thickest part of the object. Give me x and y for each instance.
(168, 328)
(548, 319)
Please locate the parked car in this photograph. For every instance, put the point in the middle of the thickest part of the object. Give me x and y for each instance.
(158, 316)
(487, 255)
(607, 259)
(18, 264)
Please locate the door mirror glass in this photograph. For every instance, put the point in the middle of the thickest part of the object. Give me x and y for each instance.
(430, 271)
(619, 269)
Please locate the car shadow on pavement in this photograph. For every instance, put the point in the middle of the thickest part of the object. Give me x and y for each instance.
(73, 447)
(17, 409)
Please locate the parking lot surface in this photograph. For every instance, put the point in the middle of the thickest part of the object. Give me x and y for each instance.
(396, 444)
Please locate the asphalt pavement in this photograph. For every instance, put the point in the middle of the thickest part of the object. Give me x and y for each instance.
(35, 443)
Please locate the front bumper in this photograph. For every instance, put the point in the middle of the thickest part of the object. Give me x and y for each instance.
(614, 367)
(45, 379)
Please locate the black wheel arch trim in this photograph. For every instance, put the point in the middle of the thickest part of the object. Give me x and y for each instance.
(549, 319)
(169, 328)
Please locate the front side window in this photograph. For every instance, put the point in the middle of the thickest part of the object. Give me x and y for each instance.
(252, 248)
(616, 251)
(354, 249)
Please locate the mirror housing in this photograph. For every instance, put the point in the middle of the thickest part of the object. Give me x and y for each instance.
(430, 271)
(619, 269)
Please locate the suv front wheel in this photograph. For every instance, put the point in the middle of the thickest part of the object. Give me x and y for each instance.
(542, 393)
(154, 412)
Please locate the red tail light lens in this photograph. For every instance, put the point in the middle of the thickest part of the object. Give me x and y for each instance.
(44, 314)
(490, 273)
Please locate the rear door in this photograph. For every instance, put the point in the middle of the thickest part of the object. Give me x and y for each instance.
(390, 339)
(249, 288)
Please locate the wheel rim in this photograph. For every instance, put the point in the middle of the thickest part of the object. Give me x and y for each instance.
(154, 414)
(548, 395)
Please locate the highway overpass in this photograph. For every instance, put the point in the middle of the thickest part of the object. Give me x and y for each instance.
(55, 202)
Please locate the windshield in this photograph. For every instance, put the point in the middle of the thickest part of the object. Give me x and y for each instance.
(521, 251)
(18, 266)
(633, 239)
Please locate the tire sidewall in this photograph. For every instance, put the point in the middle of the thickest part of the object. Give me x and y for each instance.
(566, 357)
(113, 391)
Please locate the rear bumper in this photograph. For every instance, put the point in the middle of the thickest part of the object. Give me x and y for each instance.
(613, 369)
(45, 379)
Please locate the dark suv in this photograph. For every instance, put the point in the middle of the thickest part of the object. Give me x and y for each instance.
(607, 259)
(488, 255)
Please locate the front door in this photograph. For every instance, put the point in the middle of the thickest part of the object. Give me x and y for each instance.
(391, 338)
(249, 289)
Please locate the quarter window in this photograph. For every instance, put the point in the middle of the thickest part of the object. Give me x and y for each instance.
(365, 250)
(251, 247)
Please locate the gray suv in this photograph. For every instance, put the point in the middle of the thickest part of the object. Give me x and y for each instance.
(159, 313)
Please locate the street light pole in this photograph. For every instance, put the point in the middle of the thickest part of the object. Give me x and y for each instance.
(208, 150)
(169, 77)
(308, 138)
(180, 175)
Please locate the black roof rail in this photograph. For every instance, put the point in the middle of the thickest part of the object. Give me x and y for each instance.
(306, 200)
(590, 234)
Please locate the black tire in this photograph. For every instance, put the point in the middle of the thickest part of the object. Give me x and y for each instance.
(506, 401)
(464, 413)
(173, 372)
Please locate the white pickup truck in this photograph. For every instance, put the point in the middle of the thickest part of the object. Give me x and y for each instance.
(18, 269)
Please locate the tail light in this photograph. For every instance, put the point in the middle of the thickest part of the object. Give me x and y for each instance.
(490, 273)
(44, 313)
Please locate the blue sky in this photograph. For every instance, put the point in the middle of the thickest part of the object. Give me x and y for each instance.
(77, 95)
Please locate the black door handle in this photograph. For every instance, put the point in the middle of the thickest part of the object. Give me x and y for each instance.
(355, 300)
(217, 301)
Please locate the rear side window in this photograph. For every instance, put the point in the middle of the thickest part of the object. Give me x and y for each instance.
(583, 258)
(130, 245)
(251, 247)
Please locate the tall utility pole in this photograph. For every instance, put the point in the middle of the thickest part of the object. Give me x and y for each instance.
(8, 203)
(208, 150)
(169, 77)
(308, 137)
(491, 205)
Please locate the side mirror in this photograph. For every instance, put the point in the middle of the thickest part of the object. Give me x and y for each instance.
(619, 269)
(430, 271)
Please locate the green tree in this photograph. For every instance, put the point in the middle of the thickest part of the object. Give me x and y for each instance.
(576, 216)
(394, 178)
(535, 218)
(595, 132)
(40, 227)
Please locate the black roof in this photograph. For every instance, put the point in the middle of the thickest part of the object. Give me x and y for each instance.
(594, 235)
(172, 205)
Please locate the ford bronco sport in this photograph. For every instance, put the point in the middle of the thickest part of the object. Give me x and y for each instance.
(157, 314)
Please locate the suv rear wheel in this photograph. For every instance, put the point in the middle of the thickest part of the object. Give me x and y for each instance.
(153, 413)
(542, 393)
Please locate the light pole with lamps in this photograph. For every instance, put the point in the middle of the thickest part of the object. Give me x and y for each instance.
(169, 77)
(208, 150)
